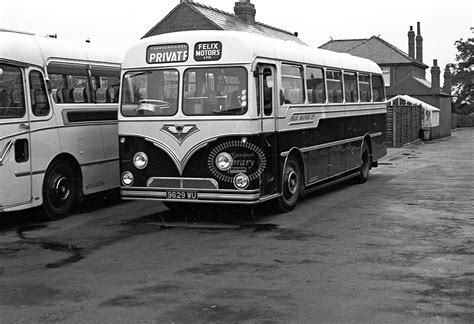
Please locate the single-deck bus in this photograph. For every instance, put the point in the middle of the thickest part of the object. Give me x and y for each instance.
(58, 122)
(237, 118)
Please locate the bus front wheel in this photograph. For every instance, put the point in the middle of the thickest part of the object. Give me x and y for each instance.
(291, 186)
(60, 190)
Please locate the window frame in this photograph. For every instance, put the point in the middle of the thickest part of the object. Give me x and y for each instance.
(8, 93)
(45, 93)
(382, 87)
(355, 82)
(301, 77)
(210, 84)
(145, 71)
(323, 75)
(332, 79)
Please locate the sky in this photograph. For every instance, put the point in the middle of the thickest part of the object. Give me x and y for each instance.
(118, 24)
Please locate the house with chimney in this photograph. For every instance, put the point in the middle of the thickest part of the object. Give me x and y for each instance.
(405, 74)
(190, 15)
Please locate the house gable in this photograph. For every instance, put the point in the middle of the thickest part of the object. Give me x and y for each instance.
(342, 45)
(182, 18)
(189, 15)
(373, 48)
(410, 85)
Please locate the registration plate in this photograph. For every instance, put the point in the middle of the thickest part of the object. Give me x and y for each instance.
(175, 194)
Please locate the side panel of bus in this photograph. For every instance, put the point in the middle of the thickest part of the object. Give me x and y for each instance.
(15, 155)
(43, 130)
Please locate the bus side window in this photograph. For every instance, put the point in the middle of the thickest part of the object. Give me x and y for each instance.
(12, 101)
(104, 84)
(315, 85)
(364, 87)
(334, 85)
(292, 84)
(39, 98)
(378, 89)
(267, 93)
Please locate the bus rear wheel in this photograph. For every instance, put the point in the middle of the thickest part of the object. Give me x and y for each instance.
(365, 163)
(291, 186)
(60, 190)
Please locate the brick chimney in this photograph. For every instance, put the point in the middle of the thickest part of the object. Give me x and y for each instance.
(245, 10)
(448, 80)
(411, 43)
(435, 82)
(419, 44)
(181, 1)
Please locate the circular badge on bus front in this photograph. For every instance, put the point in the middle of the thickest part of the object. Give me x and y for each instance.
(230, 158)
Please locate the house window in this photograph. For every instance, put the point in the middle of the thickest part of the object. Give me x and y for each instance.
(386, 75)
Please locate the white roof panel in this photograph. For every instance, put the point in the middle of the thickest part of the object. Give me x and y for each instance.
(243, 47)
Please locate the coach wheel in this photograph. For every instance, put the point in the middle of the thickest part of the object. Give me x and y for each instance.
(364, 164)
(291, 186)
(60, 190)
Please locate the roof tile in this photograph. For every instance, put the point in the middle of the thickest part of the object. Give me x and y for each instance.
(228, 21)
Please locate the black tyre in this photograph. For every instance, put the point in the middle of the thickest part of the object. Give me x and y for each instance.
(291, 186)
(176, 206)
(364, 164)
(60, 190)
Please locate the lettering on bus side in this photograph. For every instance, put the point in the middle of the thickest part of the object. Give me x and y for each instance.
(167, 53)
(207, 51)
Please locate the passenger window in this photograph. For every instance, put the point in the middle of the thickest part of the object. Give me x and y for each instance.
(292, 91)
(69, 83)
(378, 88)
(105, 84)
(267, 93)
(364, 88)
(350, 87)
(12, 98)
(315, 85)
(38, 94)
(334, 83)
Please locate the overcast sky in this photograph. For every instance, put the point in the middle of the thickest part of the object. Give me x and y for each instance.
(120, 23)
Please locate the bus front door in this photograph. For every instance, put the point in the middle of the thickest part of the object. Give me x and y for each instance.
(15, 159)
(266, 109)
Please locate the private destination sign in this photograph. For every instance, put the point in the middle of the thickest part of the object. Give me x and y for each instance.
(168, 53)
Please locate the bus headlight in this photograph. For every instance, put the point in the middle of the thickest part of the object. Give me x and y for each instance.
(127, 178)
(241, 181)
(140, 160)
(224, 161)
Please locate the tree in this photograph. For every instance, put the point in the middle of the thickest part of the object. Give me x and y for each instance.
(463, 75)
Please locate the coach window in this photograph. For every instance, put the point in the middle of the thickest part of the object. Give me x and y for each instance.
(334, 83)
(12, 98)
(364, 87)
(315, 85)
(38, 93)
(69, 83)
(350, 87)
(105, 84)
(267, 90)
(292, 91)
(378, 89)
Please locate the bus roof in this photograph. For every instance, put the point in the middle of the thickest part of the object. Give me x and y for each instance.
(243, 47)
(38, 50)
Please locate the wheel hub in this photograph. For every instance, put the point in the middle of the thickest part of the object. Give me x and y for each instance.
(292, 182)
(61, 188)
